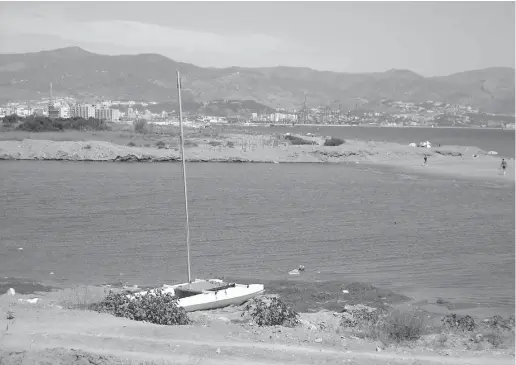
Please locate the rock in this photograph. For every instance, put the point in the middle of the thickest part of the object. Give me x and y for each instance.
(11, 292)
(318, 340)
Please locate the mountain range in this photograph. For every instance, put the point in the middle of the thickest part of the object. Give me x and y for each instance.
(84, 75)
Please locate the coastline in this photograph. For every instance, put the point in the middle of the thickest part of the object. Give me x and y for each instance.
(452, 161)
(58, 329)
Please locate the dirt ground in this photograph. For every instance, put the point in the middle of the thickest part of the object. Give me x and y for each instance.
(207, 145)
(47, 332)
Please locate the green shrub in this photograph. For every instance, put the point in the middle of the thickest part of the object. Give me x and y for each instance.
(141, 126)
(215, 143)
(271, 311)
(401, 326)
(188, 143)
(230, 144)
(158, 308)
(45, 124)
(10, 120)
(457, 322)
(161, 144)
(334, 142)
(296, 141)
(359, 315)
(131, 144)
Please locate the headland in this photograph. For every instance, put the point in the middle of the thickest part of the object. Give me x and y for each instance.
(206, 145)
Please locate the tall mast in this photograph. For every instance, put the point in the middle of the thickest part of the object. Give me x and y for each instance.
(184, 174)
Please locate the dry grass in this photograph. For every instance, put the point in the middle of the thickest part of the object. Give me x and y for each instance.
(81, 296)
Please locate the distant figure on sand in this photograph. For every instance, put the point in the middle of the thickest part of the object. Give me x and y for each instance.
(425, 159)
(504, 166)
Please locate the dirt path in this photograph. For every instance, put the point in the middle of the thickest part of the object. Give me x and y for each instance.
(44, 333)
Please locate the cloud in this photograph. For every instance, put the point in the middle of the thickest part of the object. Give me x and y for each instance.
(186, 45)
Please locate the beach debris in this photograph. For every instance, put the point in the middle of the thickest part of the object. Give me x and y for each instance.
(425, 144)
(294, 272)
(11, 292)
(345, 291)
(378, 349)
(51, 273)
(492, 153)
(318, 340)
(412, 145)
(31, 301)
(301, 268)
(20, 248)
(310, 134)
(217, 351)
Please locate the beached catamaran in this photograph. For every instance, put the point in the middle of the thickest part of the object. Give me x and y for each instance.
(204, 294)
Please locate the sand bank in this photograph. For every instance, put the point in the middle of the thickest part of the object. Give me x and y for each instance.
(48, 332)
(459, 161)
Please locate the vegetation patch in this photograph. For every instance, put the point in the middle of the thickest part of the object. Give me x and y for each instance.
(141, 126)
(158, 307)
(297, 141)
(45, 124)
(464, 323)
(215, 143)
(449, 153)
(271, 311)
(331, 142)
(161, 144)
(388, 327)
(131, 144)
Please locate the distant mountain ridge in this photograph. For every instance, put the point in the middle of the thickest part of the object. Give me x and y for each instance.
(82, 74)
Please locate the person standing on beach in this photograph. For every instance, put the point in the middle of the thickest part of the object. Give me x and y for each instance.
(425, 158)
(504, 166)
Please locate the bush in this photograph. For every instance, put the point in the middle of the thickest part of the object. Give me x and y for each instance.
(215, 143)
(44, 124)
(359, 315)
(270, 311)
(400, 326)
(457, 322)
(230, 144)
(141, 126)
(498, 322)
(161, 144)
(131, 144)
(334, 142)
(296, 141)
(158, 308)
(10, 120)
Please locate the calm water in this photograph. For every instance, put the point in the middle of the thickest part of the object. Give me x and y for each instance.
(101, 222)
(498, 140)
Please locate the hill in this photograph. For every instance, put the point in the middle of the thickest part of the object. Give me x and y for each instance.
(82, 74)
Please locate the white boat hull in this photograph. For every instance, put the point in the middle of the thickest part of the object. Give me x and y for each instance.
(208, 300)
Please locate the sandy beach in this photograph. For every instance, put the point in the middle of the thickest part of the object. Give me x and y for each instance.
(458, 161)
(58, 330)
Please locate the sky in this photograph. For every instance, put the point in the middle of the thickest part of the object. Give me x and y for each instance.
(430, 38)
